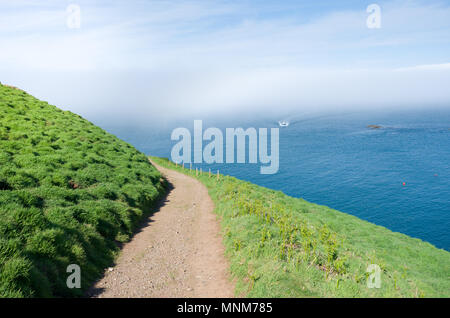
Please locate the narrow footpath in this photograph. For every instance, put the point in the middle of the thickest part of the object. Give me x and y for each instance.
(178, 251)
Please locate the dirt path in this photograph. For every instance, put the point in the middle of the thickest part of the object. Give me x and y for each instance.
(177, 253)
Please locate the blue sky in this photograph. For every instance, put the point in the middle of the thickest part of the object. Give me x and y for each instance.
(229, 55)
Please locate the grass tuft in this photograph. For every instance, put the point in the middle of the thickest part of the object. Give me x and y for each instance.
(69, 192)
(280, 246)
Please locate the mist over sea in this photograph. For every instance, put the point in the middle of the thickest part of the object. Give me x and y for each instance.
(397, 176)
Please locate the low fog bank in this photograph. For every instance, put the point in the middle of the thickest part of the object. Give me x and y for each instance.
(167, 97)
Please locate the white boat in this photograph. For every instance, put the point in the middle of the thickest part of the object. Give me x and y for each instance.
(283, 123)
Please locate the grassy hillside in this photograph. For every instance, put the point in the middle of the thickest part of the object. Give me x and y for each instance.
(280, 246)
(69, 192)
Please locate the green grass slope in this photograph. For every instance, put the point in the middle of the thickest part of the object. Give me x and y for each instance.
(280, 246)
(69, 192)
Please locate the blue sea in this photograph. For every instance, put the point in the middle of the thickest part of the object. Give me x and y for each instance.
(397, 176)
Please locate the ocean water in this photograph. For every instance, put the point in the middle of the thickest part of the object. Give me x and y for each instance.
(397, 176)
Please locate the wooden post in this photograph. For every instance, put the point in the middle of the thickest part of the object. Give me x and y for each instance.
(196, 171)
(209, 173)
(183, 165)
(218, 175)
(190, 167)
(176, 164)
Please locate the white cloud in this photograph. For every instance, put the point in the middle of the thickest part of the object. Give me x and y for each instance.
(184, 57)
(429, 67)
(211, 34)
